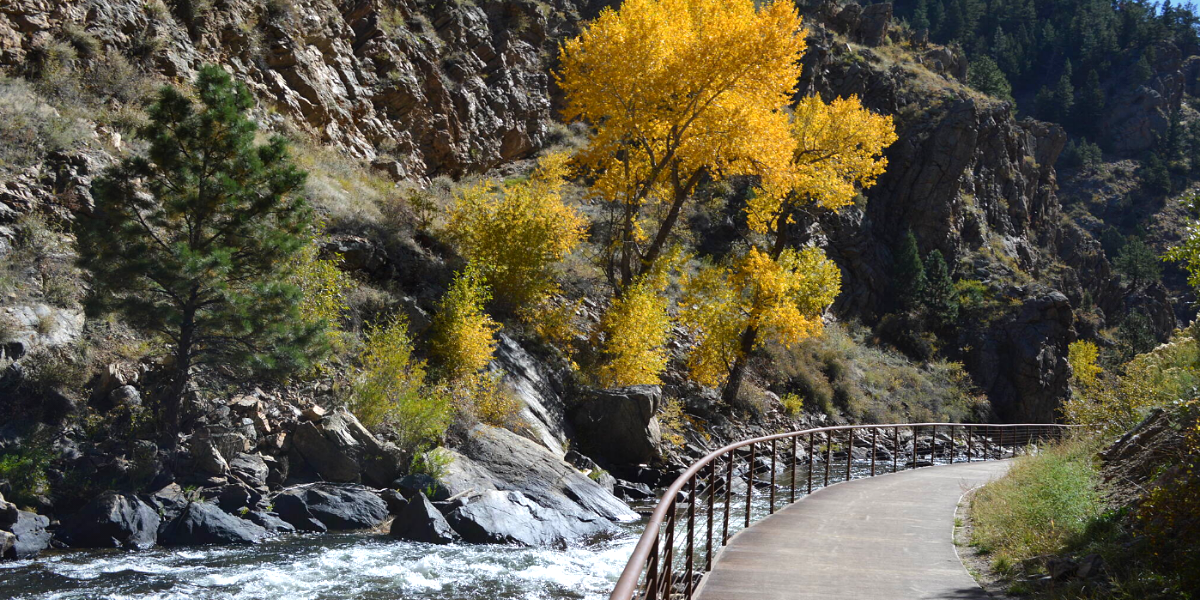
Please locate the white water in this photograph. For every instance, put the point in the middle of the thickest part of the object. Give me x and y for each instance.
(341, 567)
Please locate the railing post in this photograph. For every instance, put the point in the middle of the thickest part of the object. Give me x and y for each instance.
(691, 541)
(652, 572)
(772, 501)
(970, 442)
(712, 491)
(828, 455)
(933, 447)
(895, 448)
(849, 451)
(795, 459)
(952, 429)
(669, 553)
(810, 461)
(874, 448)
(728, 496)
(914, 454)
(750, 482)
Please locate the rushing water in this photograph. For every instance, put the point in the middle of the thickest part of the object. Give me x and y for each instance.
(325, 567)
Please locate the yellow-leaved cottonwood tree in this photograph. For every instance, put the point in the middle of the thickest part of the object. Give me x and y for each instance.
(678, 90)
(776, 292)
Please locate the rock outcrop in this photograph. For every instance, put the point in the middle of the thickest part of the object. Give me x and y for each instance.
(202, 523)
(510, 489)
(340, 449)
(111, 520)
(420, 521)
(417, 88)
(337, 507)
(619, 425)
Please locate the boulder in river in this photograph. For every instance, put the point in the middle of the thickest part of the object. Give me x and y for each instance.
(508, 517)
(270, 521)
(30, 535)
(618, 425)
(419, 521)
(335, 506)
(538, 497)
(204, 523)
(112, 520)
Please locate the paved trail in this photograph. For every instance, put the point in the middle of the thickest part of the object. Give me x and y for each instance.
(880, 538)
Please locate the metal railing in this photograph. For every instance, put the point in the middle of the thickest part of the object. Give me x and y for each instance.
(668, 562)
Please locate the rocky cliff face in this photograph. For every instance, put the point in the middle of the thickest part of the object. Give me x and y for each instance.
(970, 180)
(419, 88)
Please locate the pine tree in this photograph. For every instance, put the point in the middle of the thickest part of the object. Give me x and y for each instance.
(920, 17)
(1089, 111)
(194, 242)
(941, 299)
(908, 278)
(987, 77)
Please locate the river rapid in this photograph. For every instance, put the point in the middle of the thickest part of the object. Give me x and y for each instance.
(325, 567)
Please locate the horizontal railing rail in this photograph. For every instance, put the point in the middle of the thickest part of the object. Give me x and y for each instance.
(663, 566)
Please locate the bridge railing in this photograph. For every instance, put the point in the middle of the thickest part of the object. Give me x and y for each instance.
(669, 561)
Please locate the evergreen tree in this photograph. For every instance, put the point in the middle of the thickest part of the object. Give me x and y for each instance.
(1154, 174)
(908, 278)
(987, 77)
(1089, 110)
(941, 299)
(920, 17)
(194, 242)
(1137, 263)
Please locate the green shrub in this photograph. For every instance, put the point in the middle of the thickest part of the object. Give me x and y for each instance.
(25, 470)
(387, 392)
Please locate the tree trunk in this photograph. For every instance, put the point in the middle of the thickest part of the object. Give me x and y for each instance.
(745, 346)
(750, 334)
(174, 399)
(682, 191)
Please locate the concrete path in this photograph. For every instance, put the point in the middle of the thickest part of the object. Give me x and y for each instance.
(880, 538)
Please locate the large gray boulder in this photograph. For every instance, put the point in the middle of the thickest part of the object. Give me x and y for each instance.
(618, 425)
(508, 517)
(202, 523)
(112, 520)
(340, 449)
(345, 507)
(562, 502)
(420, 521)
(30, 537)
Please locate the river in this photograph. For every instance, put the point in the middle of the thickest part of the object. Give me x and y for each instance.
(325, 567)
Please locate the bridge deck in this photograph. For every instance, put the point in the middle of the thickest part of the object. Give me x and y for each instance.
(885, 538)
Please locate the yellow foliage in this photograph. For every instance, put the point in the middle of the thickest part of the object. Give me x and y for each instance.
(677, 89)
(1082, 356)
(555, 323)
(464, 335)
(516, 235)
(839, 149)
(779, 300)
(636, 327)
(793, 404)
(324, 287)
(1115, 402)
(386, 391)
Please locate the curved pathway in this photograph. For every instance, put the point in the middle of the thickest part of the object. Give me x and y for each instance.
(887, 538)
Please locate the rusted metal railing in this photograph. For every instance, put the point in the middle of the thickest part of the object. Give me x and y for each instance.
(664, 567)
